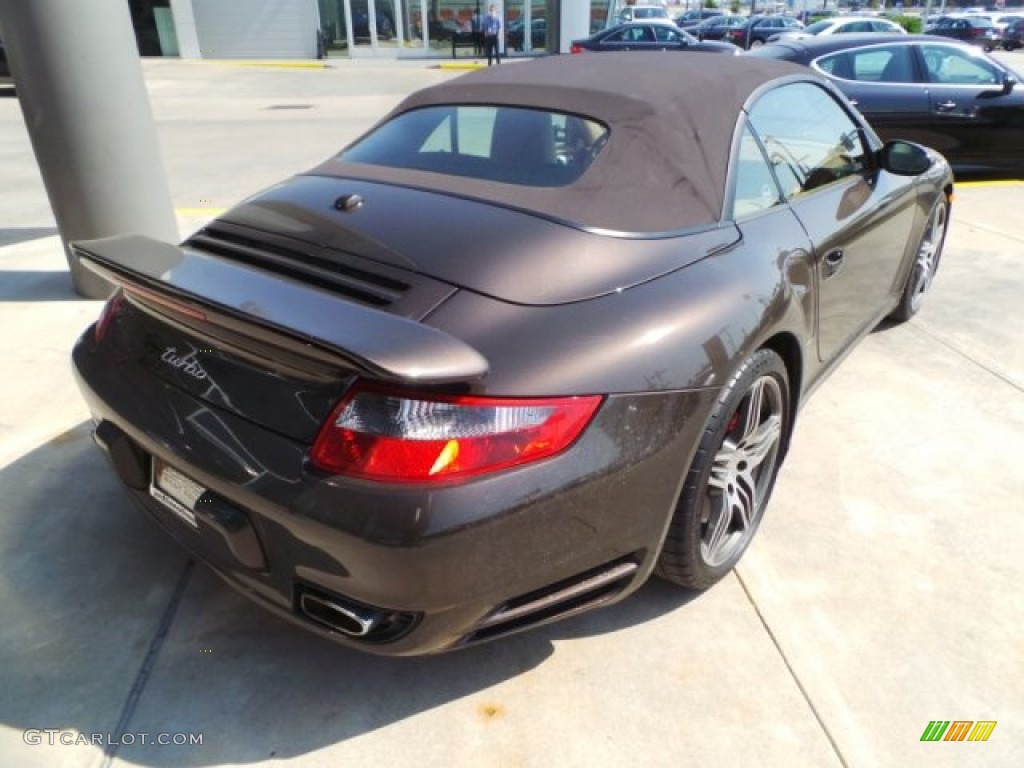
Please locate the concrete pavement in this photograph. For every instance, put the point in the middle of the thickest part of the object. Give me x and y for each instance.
(882, 592)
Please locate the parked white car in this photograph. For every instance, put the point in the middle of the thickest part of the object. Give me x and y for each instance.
(642, 13)
(841, 25)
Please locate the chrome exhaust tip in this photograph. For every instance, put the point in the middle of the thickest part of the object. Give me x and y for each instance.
(350, 620)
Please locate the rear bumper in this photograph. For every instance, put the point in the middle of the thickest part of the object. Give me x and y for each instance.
(447, 566)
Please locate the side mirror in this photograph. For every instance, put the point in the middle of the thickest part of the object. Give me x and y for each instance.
(1008, 82)
(904, 158)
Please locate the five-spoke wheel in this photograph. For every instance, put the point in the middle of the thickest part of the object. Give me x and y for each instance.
(728, 485)
(929, 251)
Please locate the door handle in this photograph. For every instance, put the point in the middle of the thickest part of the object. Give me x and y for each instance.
(833, 263)
(946, 106)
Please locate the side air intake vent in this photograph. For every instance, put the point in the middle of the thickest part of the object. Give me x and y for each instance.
(587, 590)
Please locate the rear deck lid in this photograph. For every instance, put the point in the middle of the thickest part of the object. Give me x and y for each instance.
(272, 347)
(499, 251)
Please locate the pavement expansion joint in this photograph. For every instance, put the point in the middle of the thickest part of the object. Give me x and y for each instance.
(1002, 376)
(139, 685)
(792, 672)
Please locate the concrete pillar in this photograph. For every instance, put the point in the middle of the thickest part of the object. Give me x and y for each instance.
(79, 81)
(574, 23)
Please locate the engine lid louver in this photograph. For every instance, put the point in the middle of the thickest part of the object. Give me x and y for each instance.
(353, 277)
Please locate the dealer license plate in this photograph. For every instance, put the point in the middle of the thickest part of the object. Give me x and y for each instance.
(175, 491)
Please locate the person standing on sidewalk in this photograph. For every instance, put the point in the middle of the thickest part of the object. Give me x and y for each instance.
(492, 29)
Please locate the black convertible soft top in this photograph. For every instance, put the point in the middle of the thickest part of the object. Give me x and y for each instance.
(671, 119)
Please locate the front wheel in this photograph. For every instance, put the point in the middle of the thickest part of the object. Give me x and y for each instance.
(756, 43)
(732, 475)
(929, 252)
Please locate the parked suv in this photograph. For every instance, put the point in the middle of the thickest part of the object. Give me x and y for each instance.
(976, 30)
(641, 13)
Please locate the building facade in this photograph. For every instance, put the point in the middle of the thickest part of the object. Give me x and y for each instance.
(310, 29)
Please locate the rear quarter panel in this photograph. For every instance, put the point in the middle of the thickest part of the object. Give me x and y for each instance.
(685, 330)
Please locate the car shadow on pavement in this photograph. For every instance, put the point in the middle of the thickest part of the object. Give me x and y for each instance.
(12, 235)
(36, 285)
(108, 629)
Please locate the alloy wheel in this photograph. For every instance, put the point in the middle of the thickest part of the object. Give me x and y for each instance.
(742, 472)
(928, 256)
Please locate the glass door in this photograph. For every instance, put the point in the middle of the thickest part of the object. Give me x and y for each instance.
(334, 26)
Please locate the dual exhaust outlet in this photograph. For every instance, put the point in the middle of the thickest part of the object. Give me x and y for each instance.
(347, 618)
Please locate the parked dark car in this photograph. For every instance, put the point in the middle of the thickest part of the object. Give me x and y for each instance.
(949, 95)
(757, 29)
(975, 30)
(646, 36)
(718, 27)
(538, 35)
(542, 332)
(1013, 35)
(692, 18)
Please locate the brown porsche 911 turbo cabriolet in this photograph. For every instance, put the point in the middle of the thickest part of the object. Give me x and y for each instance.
(541, 333)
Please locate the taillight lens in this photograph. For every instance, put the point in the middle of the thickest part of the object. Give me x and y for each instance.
(107, 314)
(575, 48)
(403, 437)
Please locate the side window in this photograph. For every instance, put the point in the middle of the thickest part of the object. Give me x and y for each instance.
(631, 35)
(877, 64)
(952, 66)
(754, 186)
(665, 35)
(810, 140)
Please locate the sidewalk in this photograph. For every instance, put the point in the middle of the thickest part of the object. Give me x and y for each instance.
(883, 590)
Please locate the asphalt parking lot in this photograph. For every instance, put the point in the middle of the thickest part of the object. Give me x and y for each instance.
(882, 593)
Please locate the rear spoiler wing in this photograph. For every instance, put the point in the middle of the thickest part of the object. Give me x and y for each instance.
(299, 318)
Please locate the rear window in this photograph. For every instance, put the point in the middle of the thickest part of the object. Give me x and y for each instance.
(512, 145)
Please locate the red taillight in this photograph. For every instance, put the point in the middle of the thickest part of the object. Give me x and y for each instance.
(404, 437)
(107, 314)
(576, 48)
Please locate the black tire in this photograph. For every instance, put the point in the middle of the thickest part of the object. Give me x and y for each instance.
(697, 552)
(926, 262)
